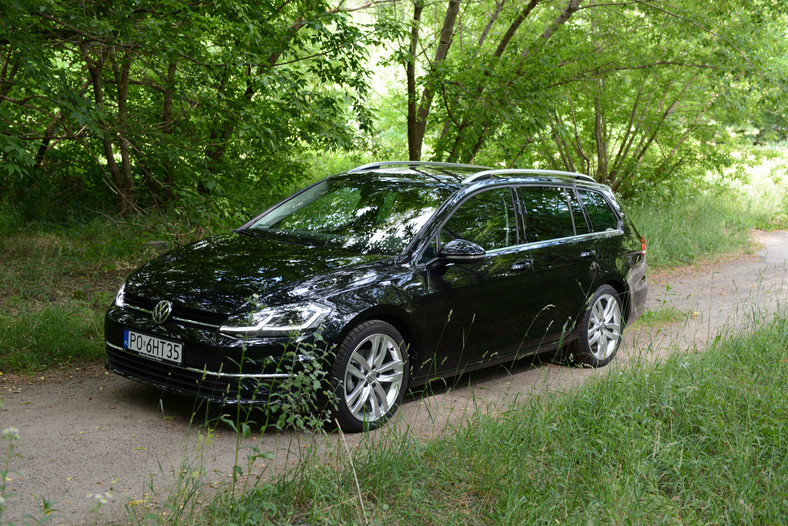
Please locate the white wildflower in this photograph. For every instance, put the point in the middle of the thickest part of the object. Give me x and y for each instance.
(11, 433)
(101, 498)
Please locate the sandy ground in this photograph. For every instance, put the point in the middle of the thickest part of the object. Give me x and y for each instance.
(85, 432)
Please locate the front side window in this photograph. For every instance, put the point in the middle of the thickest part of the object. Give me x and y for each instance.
(366, 215)
(487, 218)
(548, 215)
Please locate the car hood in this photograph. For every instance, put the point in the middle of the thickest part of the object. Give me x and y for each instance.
(219, 274)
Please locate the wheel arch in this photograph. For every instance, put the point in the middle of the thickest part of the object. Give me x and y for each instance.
(623, 294)
(398, 318)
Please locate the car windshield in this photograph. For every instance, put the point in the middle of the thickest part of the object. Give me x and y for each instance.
(369, 215)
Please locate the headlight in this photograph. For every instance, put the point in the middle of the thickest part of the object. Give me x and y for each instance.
(120, 296)
(278, 320)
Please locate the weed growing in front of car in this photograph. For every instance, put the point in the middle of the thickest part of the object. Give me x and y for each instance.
(293, 387)
(303, 398)
(12, 436)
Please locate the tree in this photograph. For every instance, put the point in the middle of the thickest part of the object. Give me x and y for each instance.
(175, 98)
(632, 93)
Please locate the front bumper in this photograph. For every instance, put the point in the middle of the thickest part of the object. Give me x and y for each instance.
(214, 367)
(214, 386)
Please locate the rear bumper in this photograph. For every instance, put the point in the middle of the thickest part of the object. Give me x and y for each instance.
(637, 284)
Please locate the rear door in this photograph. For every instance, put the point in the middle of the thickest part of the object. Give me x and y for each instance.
(564, 261)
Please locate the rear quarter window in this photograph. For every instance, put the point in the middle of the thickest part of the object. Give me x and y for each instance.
(599, 212)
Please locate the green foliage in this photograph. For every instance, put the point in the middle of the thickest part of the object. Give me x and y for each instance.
(638, 95)
(168, 105)
(683, 229)
(158, 101)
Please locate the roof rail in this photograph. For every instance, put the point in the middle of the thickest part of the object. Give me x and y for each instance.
(384, 164)
(520, 171)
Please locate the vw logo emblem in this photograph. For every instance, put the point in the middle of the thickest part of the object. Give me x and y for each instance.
(161, 312)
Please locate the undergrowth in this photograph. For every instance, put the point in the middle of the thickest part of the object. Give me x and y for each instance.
(712, 220)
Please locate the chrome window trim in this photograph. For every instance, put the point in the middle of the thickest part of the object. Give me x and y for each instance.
(269, 376)
(176, 318)
(557, 240)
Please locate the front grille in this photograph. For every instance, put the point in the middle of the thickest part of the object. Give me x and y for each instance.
(179, 312)
(216, 387)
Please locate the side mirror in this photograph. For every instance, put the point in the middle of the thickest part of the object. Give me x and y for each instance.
(461, 250)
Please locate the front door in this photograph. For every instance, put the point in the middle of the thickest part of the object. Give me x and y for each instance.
(475, 309)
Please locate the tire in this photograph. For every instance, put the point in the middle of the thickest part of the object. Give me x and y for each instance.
(600, 329)
(369, 376)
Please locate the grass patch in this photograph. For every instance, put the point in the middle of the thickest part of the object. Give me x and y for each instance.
(54, 335)
(698, 438)
(55, 284)
(652, 318)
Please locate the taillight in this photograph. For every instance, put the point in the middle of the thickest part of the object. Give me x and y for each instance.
(643, 246)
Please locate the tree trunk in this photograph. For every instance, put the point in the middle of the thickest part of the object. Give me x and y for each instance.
(444, 43)
(600, 138)
(126, 186)
(414, 148)
(166, 128)
(117, 183)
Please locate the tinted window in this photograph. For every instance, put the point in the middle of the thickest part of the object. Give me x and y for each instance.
(487, 219)
(602, 217)
(547, 213)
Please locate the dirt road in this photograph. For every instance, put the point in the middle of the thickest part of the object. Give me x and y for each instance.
(85, 433)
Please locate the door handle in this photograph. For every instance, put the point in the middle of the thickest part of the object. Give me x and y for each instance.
(525, 264)
(588, 254)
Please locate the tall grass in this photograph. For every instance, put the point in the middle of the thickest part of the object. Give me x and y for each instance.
(697, 439)
(52, 335)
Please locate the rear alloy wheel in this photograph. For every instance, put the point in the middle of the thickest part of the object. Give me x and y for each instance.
(601, 329)
(369, 376)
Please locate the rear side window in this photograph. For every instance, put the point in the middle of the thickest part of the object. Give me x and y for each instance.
(548, 215)
(601, 215)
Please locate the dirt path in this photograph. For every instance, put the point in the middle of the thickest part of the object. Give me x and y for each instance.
(85, 432)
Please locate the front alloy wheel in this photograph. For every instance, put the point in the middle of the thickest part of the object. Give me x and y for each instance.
(602, 326)
(369, 375)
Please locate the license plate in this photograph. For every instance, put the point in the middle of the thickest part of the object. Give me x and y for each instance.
(152, 347)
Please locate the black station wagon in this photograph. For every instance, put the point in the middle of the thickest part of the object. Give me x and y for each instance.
(387, 276)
